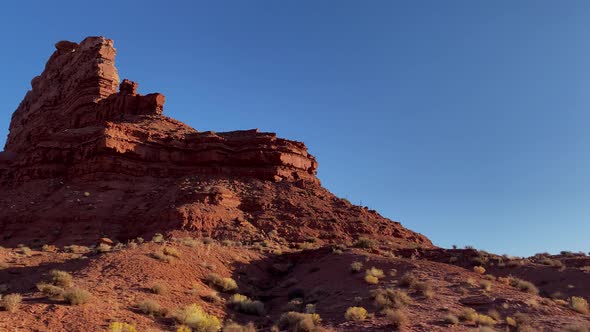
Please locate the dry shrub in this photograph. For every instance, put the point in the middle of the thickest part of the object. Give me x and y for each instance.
(26, 251)
(158, 238)
(451, 319)
(197, 319)
(223, 284)
(479, 269)
(171, 252)
(579, 304)
(244, 304)
(484, 320)
(577, 328)
(150, 307)
(467, 315)
(50, 290)
(11, 302)
(390, 298)
(76, 296)
(161, 256)
(159, 288)
(103, 247)
(486, 285)
(375, 272)
(235, 327)
(61, 278)
(299, 322)
(408, 280)
(363, 242)
(356, 267)
(424, 288)
(211, 297)
(355, 313)
(524, 286)
(397, 318)
(121, 327)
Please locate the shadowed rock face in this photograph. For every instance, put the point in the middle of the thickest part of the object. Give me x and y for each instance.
(89, 154)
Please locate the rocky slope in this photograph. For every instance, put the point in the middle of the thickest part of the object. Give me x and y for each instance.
(88, 156)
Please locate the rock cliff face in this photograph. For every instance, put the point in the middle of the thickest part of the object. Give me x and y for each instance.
(88, 156)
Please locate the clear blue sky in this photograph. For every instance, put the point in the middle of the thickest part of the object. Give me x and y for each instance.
(467, 121)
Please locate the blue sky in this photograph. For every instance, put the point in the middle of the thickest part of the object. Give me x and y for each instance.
(465, 120)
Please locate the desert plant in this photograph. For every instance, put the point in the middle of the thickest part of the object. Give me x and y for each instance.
(11, 302)
(397, 318)
(212, 297)
(121, 327)
(408, 280)
(235, 327)
(424, 289)
(524, 286)
(149, 307)
(103, 247)
(76, 296)
(371, 280)
(577, 328)
(50, 290)
(451, 319)
(484, 320)
(161, 256)
(375, 272)
(356, 267)
(184, 328)
(299, 322)
(158, 238)
(197, 319)
(223, 284)
(390, 298)
(171, 252)
(245, 305)
(363, 242)
(579, 304)
(159, 288)
(355, 313)
(486, 285)
(467, 315)
(479, 269)
(61, 278)
(26, 251)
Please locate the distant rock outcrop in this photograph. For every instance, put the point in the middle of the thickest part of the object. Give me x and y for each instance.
(87, 156)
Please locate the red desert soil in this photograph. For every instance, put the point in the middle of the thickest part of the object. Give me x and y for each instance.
(90, 166)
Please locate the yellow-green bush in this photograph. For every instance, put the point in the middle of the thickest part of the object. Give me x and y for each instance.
(579, 304)
(121, 327)
(390, 298)
(11, 302)
(197, 319)
(76, 296)
(299, 322)
(61, 278)
(244, 304)
(223, 284)
(355, 313)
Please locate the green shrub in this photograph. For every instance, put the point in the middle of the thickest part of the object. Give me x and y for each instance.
(299, 322)
(355, 313)
(197, 319)
(245, 305)
(222, 284)
(76, 296)
(11, 302)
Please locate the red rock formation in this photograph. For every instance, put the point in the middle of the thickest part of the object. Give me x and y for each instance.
(141, 171)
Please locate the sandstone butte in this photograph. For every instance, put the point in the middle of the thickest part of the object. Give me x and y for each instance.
(87, 157)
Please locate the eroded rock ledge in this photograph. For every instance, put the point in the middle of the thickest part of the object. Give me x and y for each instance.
(79, 120)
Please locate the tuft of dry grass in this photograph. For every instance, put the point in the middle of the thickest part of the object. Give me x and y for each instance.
(356, 313)
(50, 290)
(150, 307)
(197, 319)
(11, 302)
(371, 280)
(121, 327)
(77, 296)
(356, 267)
(171, 252)
(61, 278)
(299, 322)
(158, 238)
(26, 251)
(579, 304)
(222, 284)
(363, 242)
(159, 288)
(408, 280)
(390, 298)
(486, 285)
(451, 319)
(244, 304)
(524, 286)
(375, 272)
(424, 289)
(235, 327)
(397, 318)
